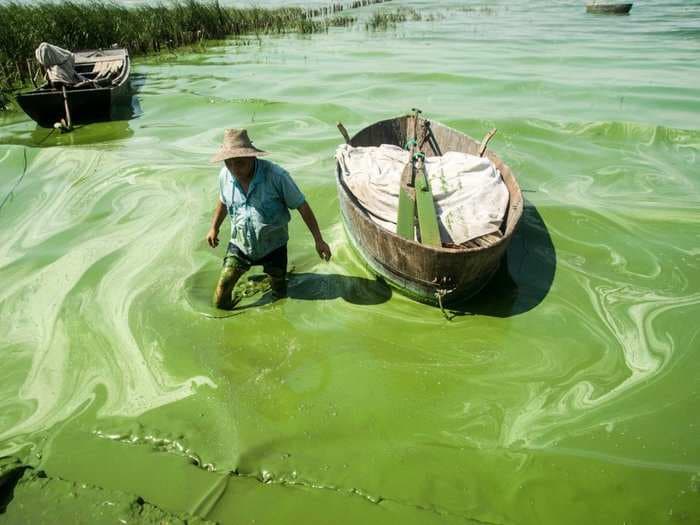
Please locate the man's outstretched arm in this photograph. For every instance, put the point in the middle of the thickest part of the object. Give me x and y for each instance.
(216, 220)
(323, 250)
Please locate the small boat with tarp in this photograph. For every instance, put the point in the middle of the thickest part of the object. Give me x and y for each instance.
(430, 209)
(608, 9)
(81, 87)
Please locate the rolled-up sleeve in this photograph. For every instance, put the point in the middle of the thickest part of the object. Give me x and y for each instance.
(222, 184)
(291, 194)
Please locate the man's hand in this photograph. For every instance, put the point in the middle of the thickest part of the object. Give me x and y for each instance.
(219, 215)
(213, 237)
(323, 250)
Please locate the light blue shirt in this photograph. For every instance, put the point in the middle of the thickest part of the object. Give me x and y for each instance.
(259, 218)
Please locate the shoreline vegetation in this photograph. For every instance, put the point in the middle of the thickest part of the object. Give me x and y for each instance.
(143, 29)
(383, 20)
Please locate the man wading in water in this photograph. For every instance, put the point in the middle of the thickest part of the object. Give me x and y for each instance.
(257, 195)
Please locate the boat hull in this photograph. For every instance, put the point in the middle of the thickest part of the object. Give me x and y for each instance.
(609, 9)
(427, 274)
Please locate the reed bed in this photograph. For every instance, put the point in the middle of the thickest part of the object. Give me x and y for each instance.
(142, 29)
(341, 21)
(385, 19)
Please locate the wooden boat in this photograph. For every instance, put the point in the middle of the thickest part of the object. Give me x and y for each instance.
(608, 9)
(96, 101)
(428, 274)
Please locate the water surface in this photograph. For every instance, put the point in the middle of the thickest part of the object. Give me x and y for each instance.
(567, 393)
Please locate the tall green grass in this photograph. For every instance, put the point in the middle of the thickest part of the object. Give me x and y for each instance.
(385, 19)
(142, 29)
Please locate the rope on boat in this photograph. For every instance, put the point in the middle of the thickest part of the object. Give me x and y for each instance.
(440, 295)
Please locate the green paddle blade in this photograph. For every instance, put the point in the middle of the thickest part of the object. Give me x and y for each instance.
(407, 212)
(427, 218)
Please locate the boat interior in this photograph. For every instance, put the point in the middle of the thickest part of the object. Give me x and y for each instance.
(98, 68)
(434, 140)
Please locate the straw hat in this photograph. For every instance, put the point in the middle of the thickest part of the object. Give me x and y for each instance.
(236, 144)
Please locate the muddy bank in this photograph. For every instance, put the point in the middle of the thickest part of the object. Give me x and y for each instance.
(32, 496)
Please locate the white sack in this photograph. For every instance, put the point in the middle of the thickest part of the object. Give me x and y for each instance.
(470, 196)
(59, 64)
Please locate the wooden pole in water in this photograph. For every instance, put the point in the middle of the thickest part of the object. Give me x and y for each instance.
(69, 123)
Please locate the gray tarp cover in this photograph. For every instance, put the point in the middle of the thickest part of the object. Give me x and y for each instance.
(470, 195)
(59, 64)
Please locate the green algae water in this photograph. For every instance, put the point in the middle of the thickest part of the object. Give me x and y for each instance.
(567, 392)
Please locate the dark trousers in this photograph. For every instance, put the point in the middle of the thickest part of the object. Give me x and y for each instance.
(236, 263)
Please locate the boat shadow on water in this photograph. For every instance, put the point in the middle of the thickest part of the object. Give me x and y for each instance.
(87, 134)
(524, 277)
(327, 287)
(132, 109)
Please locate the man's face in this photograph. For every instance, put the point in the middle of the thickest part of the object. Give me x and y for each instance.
(240, 165)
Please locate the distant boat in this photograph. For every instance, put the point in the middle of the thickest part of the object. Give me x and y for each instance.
(426, 273)
(609, 9)
(103, 91)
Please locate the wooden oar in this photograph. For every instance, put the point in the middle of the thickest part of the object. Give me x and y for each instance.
(425, 203)
(485, 142)
(405, 223)
(406, 219)
(344, 132)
